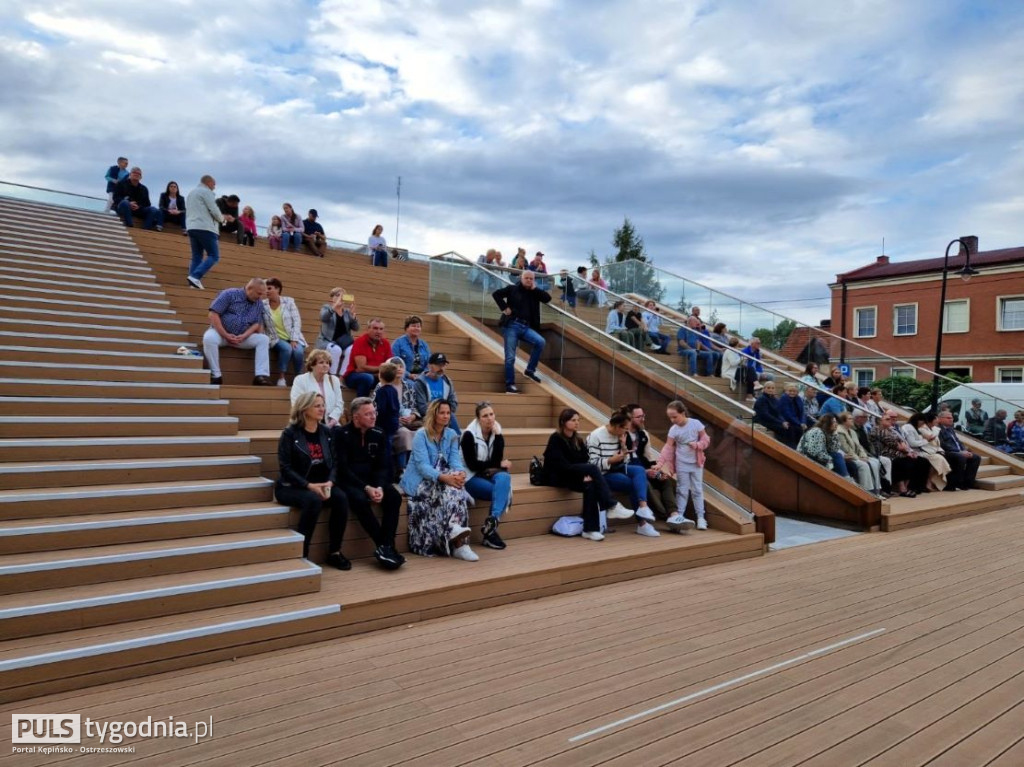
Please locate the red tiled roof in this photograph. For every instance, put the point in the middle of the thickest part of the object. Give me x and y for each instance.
(877, 271)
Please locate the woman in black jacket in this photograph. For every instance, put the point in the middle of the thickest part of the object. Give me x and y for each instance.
(309, 472)
(172, 205)
(567, 464)
(483, 452)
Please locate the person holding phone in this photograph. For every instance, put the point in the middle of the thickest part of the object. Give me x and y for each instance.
(337, 324)
(488, 471)
(607, 449)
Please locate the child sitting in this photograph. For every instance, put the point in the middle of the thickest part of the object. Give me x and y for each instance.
(248, 223)
(274, 233)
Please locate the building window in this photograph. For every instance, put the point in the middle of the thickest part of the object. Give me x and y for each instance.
(904, 320)
(1011, 313)
(864, 321)
(864, 376)
(957, 317)
(1010, 375)
(903, 372)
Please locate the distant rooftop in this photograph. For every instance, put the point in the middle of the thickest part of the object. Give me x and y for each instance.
(882, 268)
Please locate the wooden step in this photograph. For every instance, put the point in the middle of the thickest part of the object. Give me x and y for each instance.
(55, 474)
(48, 611)
(42, 282)
(25, 535)
(95, 317)
(112, 426)
(71, 357)
(36, 571)
(72, 500)
(128, 311)
(173, 334)
(72, 261)
(143, 283)
(91, 343)
(121, 406)
(929, 508)
(187, 373)
(76, 217)
(82, 448)
(1002, 482)
(988, 470)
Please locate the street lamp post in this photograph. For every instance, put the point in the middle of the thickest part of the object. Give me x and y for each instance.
(965, 274)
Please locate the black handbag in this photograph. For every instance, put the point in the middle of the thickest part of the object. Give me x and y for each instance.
(536, 471)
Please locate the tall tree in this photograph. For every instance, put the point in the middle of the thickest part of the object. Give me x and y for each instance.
(628, 244)
(636, 276)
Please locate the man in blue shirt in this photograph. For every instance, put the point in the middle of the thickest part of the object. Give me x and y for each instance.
(236, 319)
(313, 236)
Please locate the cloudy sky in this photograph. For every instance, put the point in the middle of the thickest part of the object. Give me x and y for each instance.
(758, 147)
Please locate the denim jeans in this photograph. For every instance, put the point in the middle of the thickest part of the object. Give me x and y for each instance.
(153, 216)
(839, 465)
(286, 354)
(379, 257)
(497, 490)
(363, 383)
(291, 240)
(514, 332)
(203, 241)
(634, 481)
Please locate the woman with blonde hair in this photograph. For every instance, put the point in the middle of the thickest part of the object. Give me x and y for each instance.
(317, 379)
(435, 482)
(308, 475)
(338, 324)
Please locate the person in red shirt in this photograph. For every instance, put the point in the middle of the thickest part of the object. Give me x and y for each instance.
(369, 352)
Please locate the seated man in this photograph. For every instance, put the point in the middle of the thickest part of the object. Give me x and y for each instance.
(995, 432)
(131, 200)
(975, 419)
(751, 371)
(606, 447)
(413, 350)
(963, 463)
(653, 321)
(369, 352)
(706, 350)
(616, 326)
(313, 236)
(686, 346)
(434, 384)
(586, 294)
(228, 206)
(236, 319)
(364, 473)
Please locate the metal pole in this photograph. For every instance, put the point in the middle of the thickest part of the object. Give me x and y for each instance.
(966, 272)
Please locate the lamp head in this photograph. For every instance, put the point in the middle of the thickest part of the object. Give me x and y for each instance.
(967, 272)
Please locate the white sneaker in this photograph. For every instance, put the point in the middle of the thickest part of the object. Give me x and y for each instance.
(647, 529)
(465, 553)
(282, 382)
(594, 536)
(456, 530)
(618, 511)
(702, 524)
(680, 524)
(645, 513)
(195, 282)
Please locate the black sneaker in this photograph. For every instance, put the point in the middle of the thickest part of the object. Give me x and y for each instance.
(490, 532)
(216, 380)
(511, 389)
(532, 376)
(388, 557)
(339, 561)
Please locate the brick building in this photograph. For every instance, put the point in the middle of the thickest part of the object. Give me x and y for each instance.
(894, 309)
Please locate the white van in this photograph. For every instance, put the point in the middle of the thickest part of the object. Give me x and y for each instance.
(993, 396)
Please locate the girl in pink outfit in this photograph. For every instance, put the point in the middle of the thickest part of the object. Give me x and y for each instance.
(274, 233)
(248, 222)
(684, 449)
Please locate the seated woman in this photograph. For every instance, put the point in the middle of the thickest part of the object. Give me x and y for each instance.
(719, 342)
(731, 361)
(616, 327)
(821, 444)
(567, 464)
(284, 328)
(602, 285)
(490, 478)
(791, 410)
(337, 324)
(172, 205)
(291, 228)
(909, 472)
(767, 413)
(834, 403)
(435, 482)
(925, 443)
(309, 471)
(409, 419)
(812, 407)
(866, 468)
(1015, 432)
(810, 377)
(317, 380)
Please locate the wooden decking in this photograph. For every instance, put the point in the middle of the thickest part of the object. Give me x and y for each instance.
(933, 674)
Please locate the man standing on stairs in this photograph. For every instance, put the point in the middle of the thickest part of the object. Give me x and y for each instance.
(236, 317)
(203, 220)
(520, 321)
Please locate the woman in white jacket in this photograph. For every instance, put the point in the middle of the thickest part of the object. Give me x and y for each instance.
(920, 437)
(731, 361)
(318, 380)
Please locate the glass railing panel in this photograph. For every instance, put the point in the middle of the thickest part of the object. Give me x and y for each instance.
(52, 197)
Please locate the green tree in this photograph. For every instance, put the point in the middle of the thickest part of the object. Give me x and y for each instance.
(639, 277)
(910, 393)
(628, 244)
(594, 262)
(775, 338)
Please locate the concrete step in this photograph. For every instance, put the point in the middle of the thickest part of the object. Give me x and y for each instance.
(102, 499)
(21, 536)
(36, 571)
(55, 474)
(113, 426)
(83, 448)
(64, 609)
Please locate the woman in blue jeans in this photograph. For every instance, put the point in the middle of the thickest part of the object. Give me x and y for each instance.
(490, 478)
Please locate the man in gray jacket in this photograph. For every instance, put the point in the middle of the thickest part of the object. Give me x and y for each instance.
(434, 384)
(203, 219)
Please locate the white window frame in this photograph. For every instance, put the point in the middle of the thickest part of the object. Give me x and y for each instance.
(895, 313)
(857, 371)
(904, 372)
(999, 313)
(945, 316)
(1000, 370)
(856, 321)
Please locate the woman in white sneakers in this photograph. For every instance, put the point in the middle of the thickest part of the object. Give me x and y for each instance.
(684, 448)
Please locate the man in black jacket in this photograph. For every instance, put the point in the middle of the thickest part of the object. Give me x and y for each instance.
(963, 463)
(228, 206)
(364, 475)
(520, 307)
(131, 199)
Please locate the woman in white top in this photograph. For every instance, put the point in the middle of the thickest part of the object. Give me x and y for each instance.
(320, 381)
(378, 247)
(284, 328)
(731, 361)
(925, 443)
